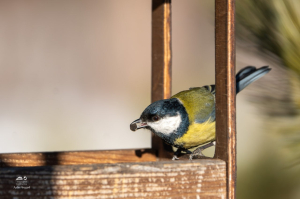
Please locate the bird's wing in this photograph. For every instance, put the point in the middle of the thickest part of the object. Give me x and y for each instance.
(199, 103)
(248, 75)
(210, 88)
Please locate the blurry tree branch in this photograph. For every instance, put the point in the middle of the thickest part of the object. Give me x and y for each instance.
(273, 27)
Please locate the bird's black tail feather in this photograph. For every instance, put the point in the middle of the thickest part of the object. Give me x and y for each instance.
(248, 75)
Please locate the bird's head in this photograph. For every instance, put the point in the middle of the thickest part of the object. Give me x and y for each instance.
(164, 117)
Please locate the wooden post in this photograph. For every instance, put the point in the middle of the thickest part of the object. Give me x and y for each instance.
(225, 89)
(161, 60)
(161, 50)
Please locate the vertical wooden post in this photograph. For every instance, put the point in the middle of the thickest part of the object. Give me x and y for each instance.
(161, 57)
(225, 89)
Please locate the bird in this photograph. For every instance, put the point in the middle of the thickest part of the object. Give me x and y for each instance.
(187, 119)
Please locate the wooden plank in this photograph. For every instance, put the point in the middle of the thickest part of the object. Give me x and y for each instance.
(161, 60)
(75, 158)
(225, 89)
(164, 179)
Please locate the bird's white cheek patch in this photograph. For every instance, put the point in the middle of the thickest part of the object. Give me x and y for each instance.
(166, 125)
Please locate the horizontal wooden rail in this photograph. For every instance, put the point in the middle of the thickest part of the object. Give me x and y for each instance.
(189, 179)
(75, 158)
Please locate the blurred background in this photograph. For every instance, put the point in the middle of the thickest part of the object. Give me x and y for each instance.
(74, 74)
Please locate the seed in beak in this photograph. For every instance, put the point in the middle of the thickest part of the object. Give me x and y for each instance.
(137, 124)
(133, 127)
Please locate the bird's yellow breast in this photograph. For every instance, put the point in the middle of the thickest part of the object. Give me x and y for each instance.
(197, 134)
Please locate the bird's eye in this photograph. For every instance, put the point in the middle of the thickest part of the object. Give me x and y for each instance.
(155, 118)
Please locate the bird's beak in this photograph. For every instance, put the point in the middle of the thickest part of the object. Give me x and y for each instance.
(137, 124)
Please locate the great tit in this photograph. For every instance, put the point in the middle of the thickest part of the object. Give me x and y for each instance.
(187, 119)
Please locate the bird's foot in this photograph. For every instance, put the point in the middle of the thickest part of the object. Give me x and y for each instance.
(198, 151)
(178, 152)
(175, 157)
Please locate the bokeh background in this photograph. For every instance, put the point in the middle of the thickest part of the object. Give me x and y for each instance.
(74, 74)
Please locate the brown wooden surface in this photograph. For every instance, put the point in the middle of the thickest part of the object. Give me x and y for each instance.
(161, 50)
(161, 60)
(225, 89)
(171, 179)
(75, 158)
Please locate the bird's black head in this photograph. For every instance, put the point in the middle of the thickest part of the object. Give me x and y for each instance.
(166, 118)
(160, 110)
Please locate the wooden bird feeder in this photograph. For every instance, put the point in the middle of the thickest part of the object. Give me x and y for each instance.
(145, 173)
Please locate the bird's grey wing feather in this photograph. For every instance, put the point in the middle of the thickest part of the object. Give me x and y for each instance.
(207, 111)
(248, 75)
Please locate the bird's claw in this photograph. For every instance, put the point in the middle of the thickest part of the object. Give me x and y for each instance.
(196, 153)
(175, 157)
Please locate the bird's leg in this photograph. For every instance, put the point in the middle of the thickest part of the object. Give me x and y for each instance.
(187, 151)
(199, 150)
(176, 153)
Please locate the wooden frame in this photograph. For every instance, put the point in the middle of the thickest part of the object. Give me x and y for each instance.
(225, 89)
(85, 175)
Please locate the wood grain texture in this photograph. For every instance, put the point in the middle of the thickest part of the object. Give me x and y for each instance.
(161, 50)
(226, 89)
(161, 79)
(75, 158)
(171, 179)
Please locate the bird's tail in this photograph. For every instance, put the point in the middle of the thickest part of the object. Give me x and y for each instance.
(248, 75)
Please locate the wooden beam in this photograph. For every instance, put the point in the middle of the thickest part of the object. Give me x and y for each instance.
(161, 60)
(225, 89)
(75, 158)
(197, 179)
(161, 50)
